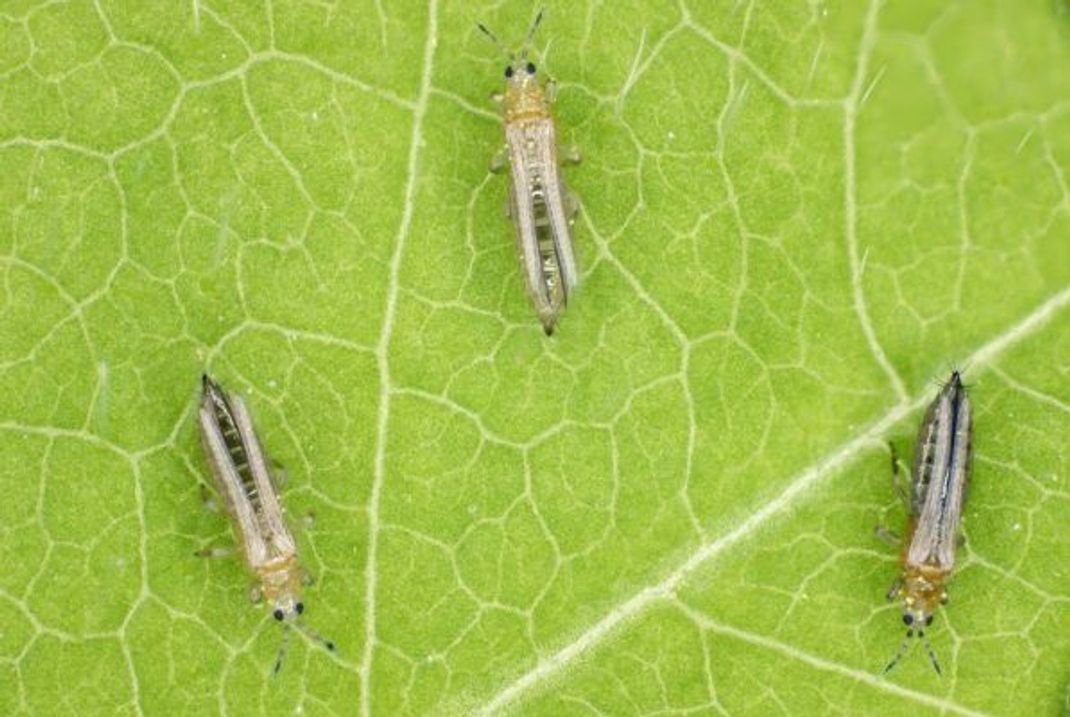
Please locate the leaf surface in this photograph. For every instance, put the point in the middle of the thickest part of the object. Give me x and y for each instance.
(796, 218)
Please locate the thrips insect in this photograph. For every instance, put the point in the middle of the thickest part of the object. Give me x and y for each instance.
(245, 481)
(540, 205)
(939, 483)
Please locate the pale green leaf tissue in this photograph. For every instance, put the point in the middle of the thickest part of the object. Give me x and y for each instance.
(797, 217)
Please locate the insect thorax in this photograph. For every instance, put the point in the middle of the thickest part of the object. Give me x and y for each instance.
(524, 100)
(923, 587)
(280, 579)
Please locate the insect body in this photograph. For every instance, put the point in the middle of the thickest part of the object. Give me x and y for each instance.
(244, 480)
(540, 204)
(940, 480)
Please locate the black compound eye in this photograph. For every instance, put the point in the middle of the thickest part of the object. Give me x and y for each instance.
(929, 620)
(300, 607)
(908, 619)
(508, 72)
(530, 68)
(279, 614)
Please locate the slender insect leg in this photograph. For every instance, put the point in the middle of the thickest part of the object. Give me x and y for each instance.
(312, 634)
(886, 536)
(283, 647)
(572, 205)
(255, 593)
(883, 533)
(897, 477)
(499, 161)
(209, 499)
(307, 521)
(211, 503)
(279, 475)
(550, 89)
(893, 591)
(569, 154)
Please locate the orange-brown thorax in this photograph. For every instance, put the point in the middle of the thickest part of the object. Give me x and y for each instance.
(281, 578)
(922, 589)
(922, 586)
(524, 99)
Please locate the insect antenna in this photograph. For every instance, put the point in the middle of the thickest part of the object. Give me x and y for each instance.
(932, 655)
(531, 33)
(282, 649)
(903, 647)
(315, 636)
(494, 39)
(527, 41)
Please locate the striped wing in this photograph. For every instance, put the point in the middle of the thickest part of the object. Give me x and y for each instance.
(537, 196)
(945, 473)
(242, 477)
(276, 532)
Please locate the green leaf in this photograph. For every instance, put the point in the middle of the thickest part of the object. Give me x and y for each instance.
(796, 218)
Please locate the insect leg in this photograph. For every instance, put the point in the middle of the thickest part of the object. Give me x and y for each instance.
(550, 90)
(218, 552)
(572, 205)
(282, 649)
(897, 477)
(255, 593)
(569, 154)
(500, 160)
(886, 536)
(312, 634)
(279, 475)
(893, 591)
(209, 499)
